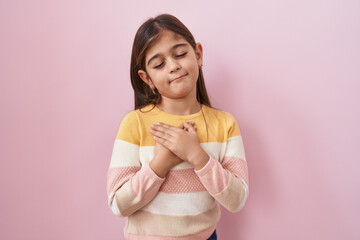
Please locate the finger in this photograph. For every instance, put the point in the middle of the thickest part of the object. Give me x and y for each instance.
(162, 141)
(193, 124)
(171, 130)
(189, 127)
(190, 122)
(162, 125)
(160, 133)
(181, 126)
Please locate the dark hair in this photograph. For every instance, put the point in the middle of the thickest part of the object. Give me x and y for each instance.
(145, 37)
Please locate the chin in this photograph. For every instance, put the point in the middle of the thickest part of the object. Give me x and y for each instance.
(178, 95)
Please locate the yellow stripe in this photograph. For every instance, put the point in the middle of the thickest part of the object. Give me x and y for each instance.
(129, 129)
(218, 125)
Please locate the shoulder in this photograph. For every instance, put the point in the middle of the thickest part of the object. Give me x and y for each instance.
(227, 120)
(129, 128)
(221, 115)
(130, 119)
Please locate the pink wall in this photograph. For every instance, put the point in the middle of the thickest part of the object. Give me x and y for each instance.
(288, 71)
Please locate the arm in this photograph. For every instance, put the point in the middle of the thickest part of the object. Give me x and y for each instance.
(130, 186)
(227, 181)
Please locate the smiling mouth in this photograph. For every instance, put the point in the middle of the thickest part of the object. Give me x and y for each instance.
(178, 78)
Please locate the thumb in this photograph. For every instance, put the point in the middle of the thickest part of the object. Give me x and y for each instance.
(189, 127)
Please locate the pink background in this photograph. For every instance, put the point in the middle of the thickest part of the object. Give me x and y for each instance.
(289, 71)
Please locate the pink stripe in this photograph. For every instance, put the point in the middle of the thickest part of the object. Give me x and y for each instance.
(182, 181)
(146, 183)
(237, 166)
(214, 176)
(118, 176)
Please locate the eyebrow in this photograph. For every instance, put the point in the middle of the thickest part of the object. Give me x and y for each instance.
(174, 47)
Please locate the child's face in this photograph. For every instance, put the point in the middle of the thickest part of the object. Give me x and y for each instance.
(165, 63)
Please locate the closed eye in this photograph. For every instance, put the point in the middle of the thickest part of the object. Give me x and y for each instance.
(158, 65)
(182, 54)
(176, 56)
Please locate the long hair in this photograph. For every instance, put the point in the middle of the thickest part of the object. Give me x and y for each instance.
(145, 37)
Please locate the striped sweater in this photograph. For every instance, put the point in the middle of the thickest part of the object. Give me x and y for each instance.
(184, 204)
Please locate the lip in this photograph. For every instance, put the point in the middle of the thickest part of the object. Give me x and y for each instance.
(178, 78)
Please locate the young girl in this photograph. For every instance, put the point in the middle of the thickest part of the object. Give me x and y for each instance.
(175, 158)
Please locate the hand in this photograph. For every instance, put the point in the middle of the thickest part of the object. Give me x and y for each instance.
(170, 159)
(184, 144)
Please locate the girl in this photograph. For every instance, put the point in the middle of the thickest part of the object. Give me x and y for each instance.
(175, 158)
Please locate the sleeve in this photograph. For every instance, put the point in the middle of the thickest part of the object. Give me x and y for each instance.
(227, 181)
(130, 185)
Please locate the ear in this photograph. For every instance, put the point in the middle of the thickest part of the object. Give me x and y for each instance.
(199, 54)
(143, 75)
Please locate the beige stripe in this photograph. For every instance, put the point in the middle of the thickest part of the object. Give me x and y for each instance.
(130, 201)
(231, 197)
(245, 197)
(142, 222)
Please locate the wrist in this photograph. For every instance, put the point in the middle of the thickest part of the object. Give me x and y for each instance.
(161, 168)
(199, 159)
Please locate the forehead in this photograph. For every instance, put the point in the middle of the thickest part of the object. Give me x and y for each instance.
(164, 42)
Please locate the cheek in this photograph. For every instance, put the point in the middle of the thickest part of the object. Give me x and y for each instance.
(159, 78)
(191, 65)
(194, 69)
(153, 75)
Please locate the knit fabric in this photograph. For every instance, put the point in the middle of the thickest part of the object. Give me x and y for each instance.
(184, 204)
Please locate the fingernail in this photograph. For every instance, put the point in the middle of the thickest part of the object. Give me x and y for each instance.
(158, 123)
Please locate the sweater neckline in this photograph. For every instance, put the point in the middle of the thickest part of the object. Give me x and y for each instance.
(189, 116)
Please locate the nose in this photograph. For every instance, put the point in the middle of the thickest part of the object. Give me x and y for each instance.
(173, 65)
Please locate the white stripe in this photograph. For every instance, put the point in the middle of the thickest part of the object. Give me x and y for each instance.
(128, 154)
(147, 154)
(215, 149)
(112, 204)
(124, 154)
(181, 203)
(235, 147)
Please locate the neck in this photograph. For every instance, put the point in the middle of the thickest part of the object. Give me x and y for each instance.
(179, 107)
